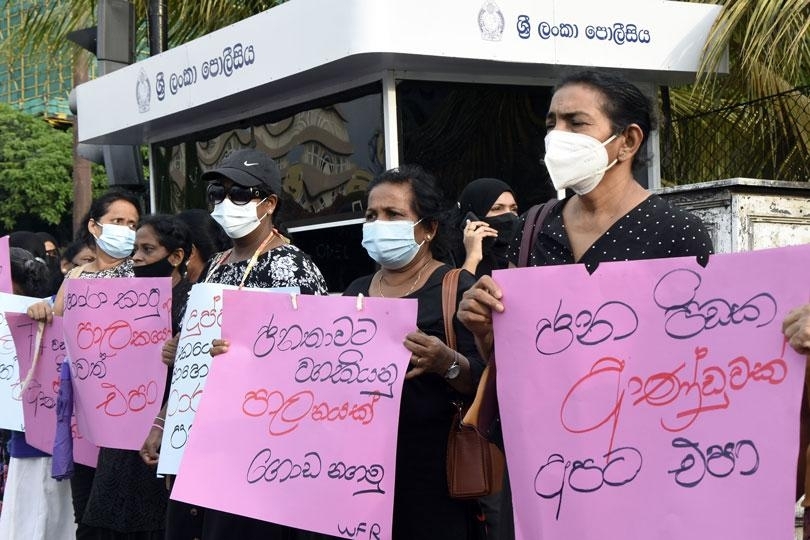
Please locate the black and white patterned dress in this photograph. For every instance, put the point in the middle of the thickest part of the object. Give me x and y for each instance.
(654, 229)
(283, 266)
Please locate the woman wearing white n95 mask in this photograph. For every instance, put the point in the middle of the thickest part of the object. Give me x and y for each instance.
(596, 127)
(597, 124)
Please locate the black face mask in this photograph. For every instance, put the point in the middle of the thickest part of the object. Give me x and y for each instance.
(161, 268)
(506, 225)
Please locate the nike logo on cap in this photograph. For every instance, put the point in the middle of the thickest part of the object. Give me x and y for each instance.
(250, 164)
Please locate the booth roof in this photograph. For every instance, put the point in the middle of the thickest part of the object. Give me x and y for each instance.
(304, 50)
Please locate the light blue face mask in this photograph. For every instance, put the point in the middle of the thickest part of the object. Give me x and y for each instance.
(390, 243)
(117, 241)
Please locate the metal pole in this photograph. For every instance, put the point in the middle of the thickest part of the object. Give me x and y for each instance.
(158, 26)
(390, 127)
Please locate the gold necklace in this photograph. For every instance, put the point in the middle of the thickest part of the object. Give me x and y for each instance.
(413, 285)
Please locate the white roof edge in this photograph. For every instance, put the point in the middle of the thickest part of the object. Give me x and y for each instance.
(305, 49)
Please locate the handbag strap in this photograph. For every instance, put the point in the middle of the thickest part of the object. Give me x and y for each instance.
(534, 220)
(449, 294)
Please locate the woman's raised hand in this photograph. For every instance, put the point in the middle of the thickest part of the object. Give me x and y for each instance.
(475, 312)
(796, 328)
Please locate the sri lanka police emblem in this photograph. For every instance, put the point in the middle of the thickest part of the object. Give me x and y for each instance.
(143, 92)
(491, 22)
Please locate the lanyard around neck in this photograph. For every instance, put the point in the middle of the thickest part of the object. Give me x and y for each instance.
(251, 262)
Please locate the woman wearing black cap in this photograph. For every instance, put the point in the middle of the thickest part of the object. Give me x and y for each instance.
(486, 240)
(244, 193)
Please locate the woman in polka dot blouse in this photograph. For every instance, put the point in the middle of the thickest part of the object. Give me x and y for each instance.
(596, 125)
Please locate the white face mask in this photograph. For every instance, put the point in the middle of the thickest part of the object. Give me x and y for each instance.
(238, 221)
(576, 161)
(390, 243)
(117, 241)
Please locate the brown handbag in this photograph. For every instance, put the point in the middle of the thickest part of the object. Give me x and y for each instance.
(474, 465)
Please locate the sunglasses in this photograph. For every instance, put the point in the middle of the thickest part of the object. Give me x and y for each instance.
(239, 195)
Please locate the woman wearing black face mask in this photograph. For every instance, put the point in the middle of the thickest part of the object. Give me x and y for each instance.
(486, 240)
(162, 249)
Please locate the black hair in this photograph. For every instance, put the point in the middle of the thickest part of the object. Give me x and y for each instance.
(428, 203)
(29, 241)
(73, 249)
(206, 234)
(32, 243)
(101, 206)
(172, 233)
(624, 104)
(29, 272)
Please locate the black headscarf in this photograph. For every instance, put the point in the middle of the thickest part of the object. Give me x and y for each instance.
(480, 194)
(478, 198)
(28, 241)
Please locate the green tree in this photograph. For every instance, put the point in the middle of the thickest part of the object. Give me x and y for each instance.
(760, 120)
(35, 169)
(769, 53)
(47, 24)
(43, 37)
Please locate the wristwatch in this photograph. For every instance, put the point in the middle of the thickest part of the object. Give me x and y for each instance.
(454, 369)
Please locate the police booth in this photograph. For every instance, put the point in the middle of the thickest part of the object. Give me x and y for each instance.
(338, 91)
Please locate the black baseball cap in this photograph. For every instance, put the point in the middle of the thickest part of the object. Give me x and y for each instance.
(248, 167)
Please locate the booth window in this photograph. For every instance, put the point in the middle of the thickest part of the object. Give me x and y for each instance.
(462, 131)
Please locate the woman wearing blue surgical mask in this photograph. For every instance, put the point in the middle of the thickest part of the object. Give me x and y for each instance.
(162, 244)
(111, 225)
(406, 231)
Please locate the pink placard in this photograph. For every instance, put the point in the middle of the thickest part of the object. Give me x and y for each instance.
(300, 415)
(5, 266)
(652, 399)
(202, 323)
(39, 397)
(114, 332)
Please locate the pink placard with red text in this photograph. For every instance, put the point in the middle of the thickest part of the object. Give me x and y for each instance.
(300, 415)
(114, 331)
(652, 399)
(202, 323)
(5, 266)
(39, 396)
